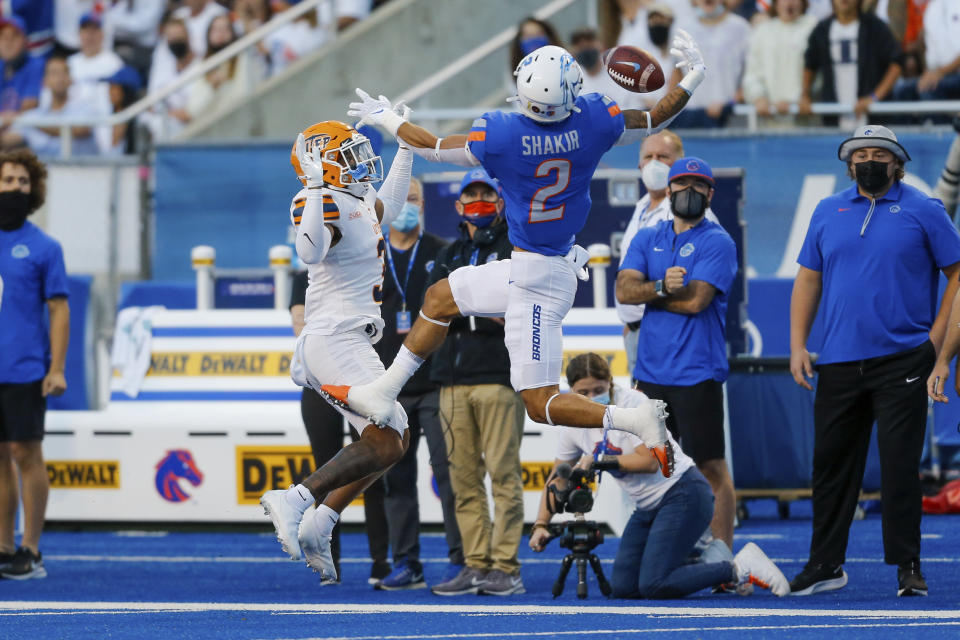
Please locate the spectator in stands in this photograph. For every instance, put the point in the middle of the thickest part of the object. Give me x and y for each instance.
(682, 270)
(324, 426)
(351, 11)
(295, 39)
(941, 34)
(135, 26)
(125, 86)
(657, 154)
(724, 38)
(250, 15)
(880, 348)
(172, 115)
(38, 22)
(656, 41)
(627, 21)
(410, 257)
(92, 63)
(585, 47)
(32, 357)
(773, 80)
(66, 24)
(197, 15)
(21, 76)
(45, 141)
(532, 33)
(482, 416)
(225, 84)
(653, 558)
(857, 58)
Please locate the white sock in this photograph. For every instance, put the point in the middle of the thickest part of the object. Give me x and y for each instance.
(608, 417)
(299, 497)
(326, 518)
(404, 366)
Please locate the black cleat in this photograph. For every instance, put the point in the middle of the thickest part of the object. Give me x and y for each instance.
(911, 580)
(816, 578)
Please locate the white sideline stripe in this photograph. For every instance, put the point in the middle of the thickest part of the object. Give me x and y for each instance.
(620, 632)
(333, 608)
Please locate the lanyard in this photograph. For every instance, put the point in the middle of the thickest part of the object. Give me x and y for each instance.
(406, 279)
(474, 256)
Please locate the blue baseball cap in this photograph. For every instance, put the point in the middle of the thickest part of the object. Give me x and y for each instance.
(91, 17)
(478, 174)
(691, 166)
(15, 21)
(125, 76)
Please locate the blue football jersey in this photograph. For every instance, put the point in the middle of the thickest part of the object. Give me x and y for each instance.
(545, 168)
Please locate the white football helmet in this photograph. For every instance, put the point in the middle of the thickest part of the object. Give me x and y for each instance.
(548, 83)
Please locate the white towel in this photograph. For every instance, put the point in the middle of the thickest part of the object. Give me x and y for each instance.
(131, 346)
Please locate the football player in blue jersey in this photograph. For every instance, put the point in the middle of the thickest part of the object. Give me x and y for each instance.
(544, 156)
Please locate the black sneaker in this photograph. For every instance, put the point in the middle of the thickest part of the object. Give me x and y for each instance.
(6, 559)
(25, 565)
(380, 570)
(911, 580)
(818, 577)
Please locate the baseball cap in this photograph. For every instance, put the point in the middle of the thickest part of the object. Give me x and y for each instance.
(872, 135)
(14, 20)
(691, 166)
(91, 17)
(478, 175)
(125, 76)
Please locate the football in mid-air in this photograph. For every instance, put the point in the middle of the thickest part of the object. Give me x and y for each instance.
(634, 69)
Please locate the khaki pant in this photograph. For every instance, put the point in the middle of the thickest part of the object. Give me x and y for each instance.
(483, 425)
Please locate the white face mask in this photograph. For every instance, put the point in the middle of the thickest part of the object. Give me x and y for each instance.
(654, 175)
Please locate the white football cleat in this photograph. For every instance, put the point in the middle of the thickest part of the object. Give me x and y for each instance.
(754, 567)
(367, 400)
(286, 520)
(316, 550)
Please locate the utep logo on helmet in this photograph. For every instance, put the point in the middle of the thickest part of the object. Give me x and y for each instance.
(317, 142)
(177, 465)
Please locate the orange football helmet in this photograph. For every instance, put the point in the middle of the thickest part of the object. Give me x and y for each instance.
(345, 154)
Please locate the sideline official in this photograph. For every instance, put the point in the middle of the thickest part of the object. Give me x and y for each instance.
(870, 262)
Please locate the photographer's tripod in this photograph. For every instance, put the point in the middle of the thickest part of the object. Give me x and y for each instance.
(581, 537)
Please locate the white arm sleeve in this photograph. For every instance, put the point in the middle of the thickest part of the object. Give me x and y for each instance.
(393, 191)
(459, 155)
(313, 237)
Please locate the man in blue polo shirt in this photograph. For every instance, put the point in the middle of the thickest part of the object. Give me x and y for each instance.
(682, 269)
(21, 76)
(870, 262)
(32, 357)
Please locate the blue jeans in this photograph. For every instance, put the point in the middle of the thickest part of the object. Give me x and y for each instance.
(651, 561)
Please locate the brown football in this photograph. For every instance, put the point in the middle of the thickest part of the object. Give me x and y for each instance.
(633, 69)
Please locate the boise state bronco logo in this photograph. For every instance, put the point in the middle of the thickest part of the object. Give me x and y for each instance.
(178, 464)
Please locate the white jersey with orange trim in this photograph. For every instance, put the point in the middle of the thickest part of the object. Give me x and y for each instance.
(346, 287)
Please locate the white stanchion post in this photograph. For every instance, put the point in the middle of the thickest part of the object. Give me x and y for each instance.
(599, 261)
(203, 258)
(281, 256)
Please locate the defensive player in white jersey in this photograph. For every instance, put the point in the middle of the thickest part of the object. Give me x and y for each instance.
(544, 156)
(338, 217)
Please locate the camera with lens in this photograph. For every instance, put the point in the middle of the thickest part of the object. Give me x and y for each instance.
(571, 491)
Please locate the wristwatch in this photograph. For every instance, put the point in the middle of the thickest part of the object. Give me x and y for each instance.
(660, 288)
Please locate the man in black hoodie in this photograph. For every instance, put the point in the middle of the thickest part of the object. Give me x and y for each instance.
(481, 413)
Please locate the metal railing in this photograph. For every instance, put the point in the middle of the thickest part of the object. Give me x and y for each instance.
(837, 109)
(237, 48)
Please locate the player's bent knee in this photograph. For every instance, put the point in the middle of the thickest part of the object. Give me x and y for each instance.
(438, 302)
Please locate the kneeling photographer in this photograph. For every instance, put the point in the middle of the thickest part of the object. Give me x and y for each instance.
(671, 513)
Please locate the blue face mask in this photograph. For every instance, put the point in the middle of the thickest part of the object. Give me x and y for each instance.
(530, 45)
(603, 398)
(408, 218)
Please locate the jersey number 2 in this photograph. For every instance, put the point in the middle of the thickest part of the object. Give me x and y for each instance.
(538, 207)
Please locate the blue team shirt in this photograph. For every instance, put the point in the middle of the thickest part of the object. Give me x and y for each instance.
(879, 290)
(545, 169)
(681, 349)
(31, 272)
(24, 83)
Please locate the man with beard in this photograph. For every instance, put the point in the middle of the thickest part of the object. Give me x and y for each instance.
(682, 270)
(31, 356)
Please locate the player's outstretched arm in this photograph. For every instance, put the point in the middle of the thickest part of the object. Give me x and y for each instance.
(662, 113)
(379, 112)
(315, 237)
(392, 194)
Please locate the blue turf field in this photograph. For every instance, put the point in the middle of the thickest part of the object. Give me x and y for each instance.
(238, 585)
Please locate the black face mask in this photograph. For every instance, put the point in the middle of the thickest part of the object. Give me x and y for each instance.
(872, 175)
(217, 48)
(688, 204)
(178, 48)
(14, 208)
(588, 58)
(658, 34)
